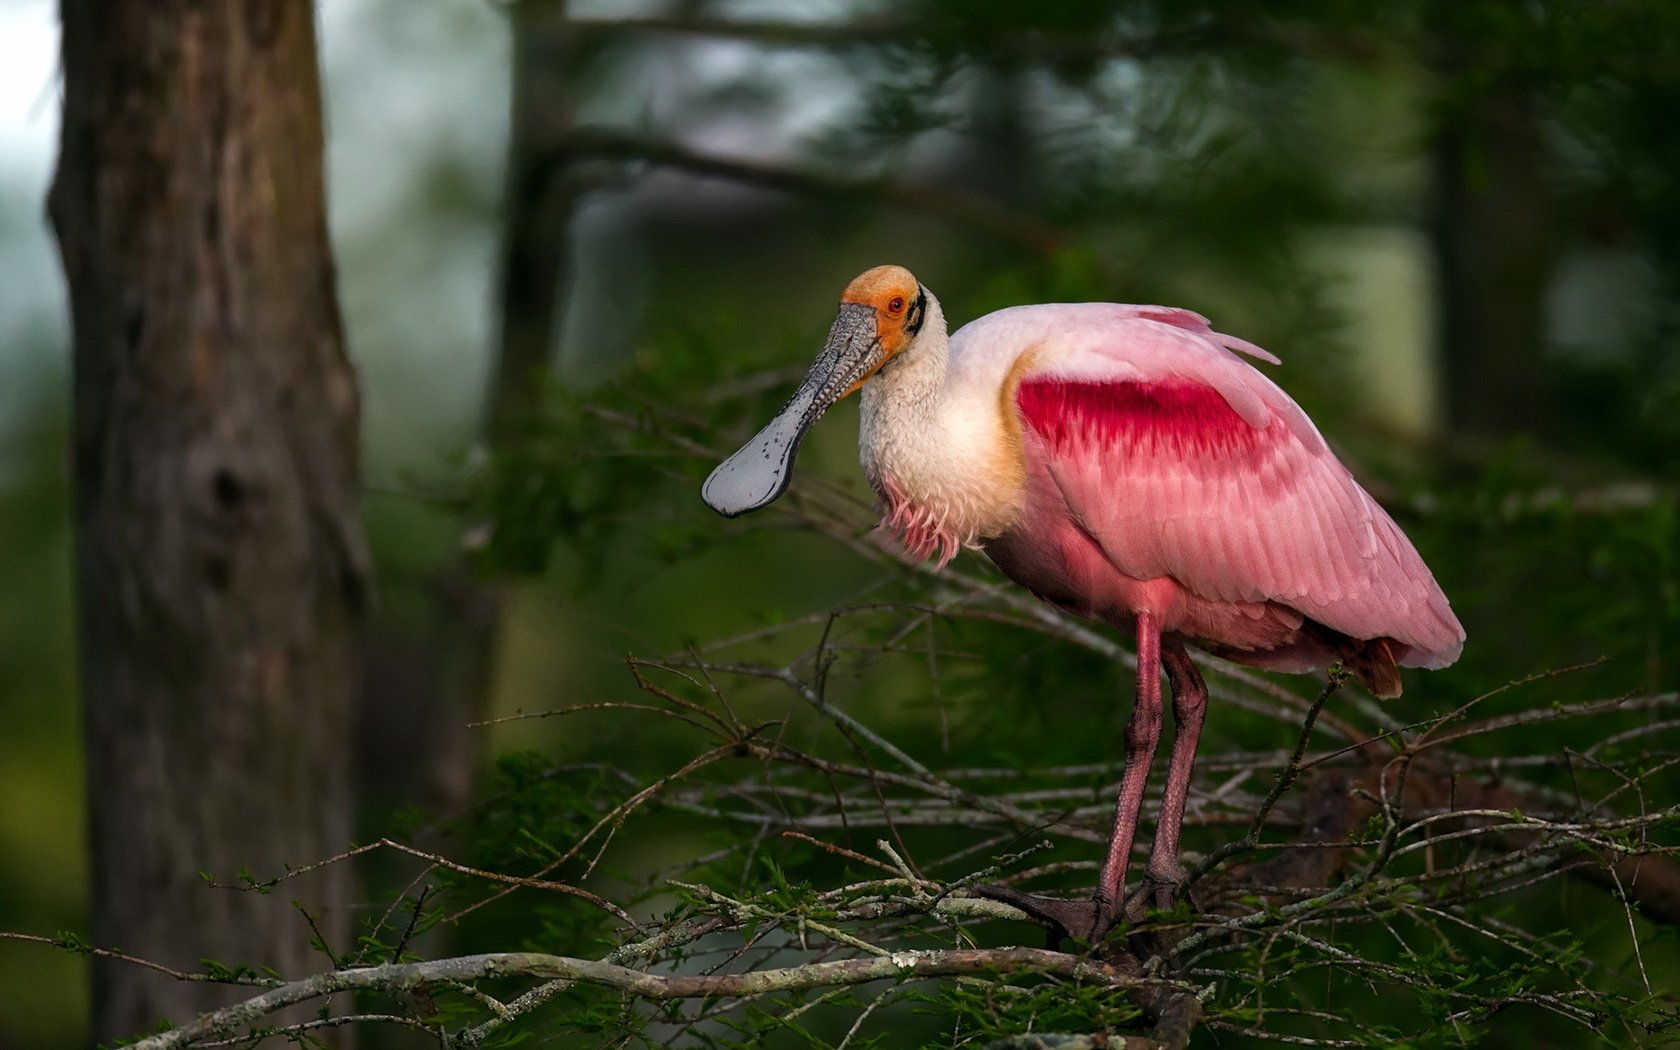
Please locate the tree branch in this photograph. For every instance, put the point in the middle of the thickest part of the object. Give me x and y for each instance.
(878, 32)
(958, 206)
(404, 976)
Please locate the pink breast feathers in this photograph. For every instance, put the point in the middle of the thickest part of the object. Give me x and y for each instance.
(922, 532)
(1168, 415)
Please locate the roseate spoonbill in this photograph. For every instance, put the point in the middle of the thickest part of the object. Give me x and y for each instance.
(1121, 463)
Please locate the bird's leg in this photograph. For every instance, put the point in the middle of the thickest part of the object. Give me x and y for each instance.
(1091, 920)
(1165, 874)
(1143, 732)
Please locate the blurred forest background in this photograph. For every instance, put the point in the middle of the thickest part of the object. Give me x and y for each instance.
(1457, 222)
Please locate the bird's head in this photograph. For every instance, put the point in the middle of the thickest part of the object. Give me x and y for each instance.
(881, 314)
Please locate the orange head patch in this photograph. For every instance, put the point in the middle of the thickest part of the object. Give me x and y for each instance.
(893, 293)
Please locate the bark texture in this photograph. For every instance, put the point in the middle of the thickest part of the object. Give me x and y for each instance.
(220, 562)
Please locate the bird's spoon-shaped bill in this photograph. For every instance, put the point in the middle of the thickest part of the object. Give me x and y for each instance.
(760, 471)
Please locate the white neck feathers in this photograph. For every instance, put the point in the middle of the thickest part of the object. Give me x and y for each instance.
(940, 455)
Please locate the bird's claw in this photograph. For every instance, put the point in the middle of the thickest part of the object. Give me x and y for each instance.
(1087, 920)
(1159, 891)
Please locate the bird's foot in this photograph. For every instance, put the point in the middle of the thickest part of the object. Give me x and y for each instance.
(1160, 890)
(1083, 920)
(1154, 929)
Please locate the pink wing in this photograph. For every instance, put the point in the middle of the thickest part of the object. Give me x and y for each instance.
(1181, 460)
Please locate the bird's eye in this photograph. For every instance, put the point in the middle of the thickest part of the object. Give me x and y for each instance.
(897, 305)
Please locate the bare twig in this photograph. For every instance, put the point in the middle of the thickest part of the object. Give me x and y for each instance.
(81, 948)
(1285, 778)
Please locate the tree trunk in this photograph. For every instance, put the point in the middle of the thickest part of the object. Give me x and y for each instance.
(466, 611)
(219, 556)
(1492, 227)
(537, 208)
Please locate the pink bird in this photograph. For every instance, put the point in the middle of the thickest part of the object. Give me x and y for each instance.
(1123, 464)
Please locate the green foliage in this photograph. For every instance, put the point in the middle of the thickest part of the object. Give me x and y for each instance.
(977, 1014)
(235, 974)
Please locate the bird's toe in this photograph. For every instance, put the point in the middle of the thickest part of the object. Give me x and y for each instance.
(1161, 889)
(1088, 920)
